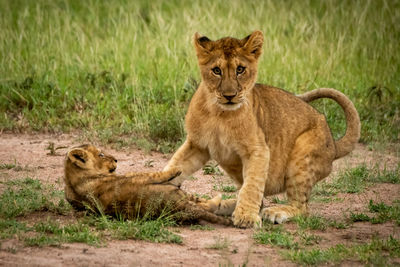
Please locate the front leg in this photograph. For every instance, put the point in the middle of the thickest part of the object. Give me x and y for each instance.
(188, 159)
(152, 177)
(255, 171)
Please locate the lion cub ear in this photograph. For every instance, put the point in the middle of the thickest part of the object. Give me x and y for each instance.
(253, 43)
(202, 44)
(78, 157)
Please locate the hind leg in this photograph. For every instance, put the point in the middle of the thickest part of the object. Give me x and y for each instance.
(310, 160)
(298, 189)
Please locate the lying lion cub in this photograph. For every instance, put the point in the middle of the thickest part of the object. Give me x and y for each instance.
(90, 181)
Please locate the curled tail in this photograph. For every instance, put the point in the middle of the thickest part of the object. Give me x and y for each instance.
(345, 144)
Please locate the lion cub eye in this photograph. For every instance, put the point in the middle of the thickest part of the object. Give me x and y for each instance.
(240, 69)
(217, 71)
(101, 155)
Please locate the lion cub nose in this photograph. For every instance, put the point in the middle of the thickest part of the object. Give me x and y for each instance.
(229, 97)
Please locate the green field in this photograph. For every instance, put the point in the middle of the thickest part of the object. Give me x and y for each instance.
(126, 70)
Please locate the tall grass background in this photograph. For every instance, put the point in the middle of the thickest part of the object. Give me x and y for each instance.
(121, 68)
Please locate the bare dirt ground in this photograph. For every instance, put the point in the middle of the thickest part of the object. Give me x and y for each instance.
(31, 153)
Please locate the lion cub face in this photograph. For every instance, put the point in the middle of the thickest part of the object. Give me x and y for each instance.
(91, 161)
(229, 67)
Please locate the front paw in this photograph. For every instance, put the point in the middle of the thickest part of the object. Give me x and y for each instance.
(247, 219)
(174, 173)
(176, 179)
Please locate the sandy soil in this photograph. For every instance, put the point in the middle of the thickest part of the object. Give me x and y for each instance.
(31, 154)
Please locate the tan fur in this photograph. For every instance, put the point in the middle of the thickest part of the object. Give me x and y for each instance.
(267, 140)
(90, 181)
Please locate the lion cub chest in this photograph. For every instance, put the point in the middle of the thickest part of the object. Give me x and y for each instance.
(218, 140)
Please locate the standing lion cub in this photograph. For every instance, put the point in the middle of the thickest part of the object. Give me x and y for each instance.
(267, 140)
(90, 181)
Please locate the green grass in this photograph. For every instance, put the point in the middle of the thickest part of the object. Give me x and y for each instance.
(277, 200)
(202, 227)
(23, 197)
(376, 253)
(300, 246)
(385, 175)
(10, 227)
(220, 243)
(225, 188)
(121, 68)
(381, 213)
(7, 166)
(205, 196)
(311, 222)
(140, 228)
(212, 169)
(314, 222)
(354, 180)
(226, 196)
(50, 233)
(309, 239)
(276, 236)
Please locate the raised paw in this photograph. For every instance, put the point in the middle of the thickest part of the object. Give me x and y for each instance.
(279, 214)
(246, 219)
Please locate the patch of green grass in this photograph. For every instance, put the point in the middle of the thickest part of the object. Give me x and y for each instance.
(80, 75)
(27, 195)
(322, 199)
(219, 243)
(91, 230)
(50, 233)
(377, 252)
(338, 225)
(225, 196)
(354, 180)
(225, 188)
(308, 239)
(192, 178)
(276, 236)
(385, 175)
(277, 200)
(201, 227)
(11, 227)
(311, 222)
(317, 256)
(212, 169)
(359, 217)
(22, 197)
(382, 211)
(205, 196)
(349, 181)
(314, 222)
(154, 230)
(7, 166)
(229, 188)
